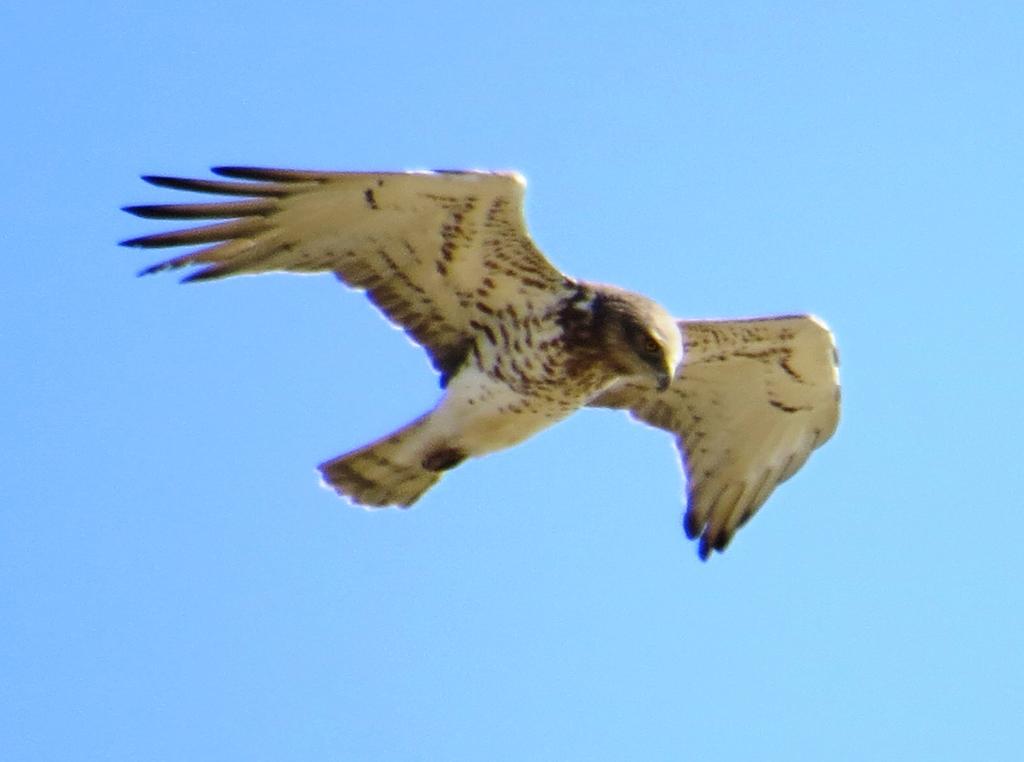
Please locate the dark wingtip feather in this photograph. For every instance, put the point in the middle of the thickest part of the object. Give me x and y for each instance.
(240, 173)
(223, 187)
(164, 181)
(135, 243)
(148, 211)
(253, 207)
(243, 227)
(722, 541)
(210, 272)
(207, 273)
(691, 526)
(709, 543)
(138, 211)
(178, 263)
(269, 174)
(153, 269)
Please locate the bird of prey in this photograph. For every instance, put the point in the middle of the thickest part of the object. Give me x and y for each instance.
(446, 256)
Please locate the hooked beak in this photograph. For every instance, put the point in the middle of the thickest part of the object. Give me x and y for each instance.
(664, 380)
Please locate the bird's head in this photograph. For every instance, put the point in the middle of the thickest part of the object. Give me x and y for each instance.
(639, 336)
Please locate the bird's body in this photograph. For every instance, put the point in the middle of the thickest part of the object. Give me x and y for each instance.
(519, 345)
(524, 374)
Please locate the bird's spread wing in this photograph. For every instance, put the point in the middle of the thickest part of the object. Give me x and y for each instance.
(749, 403)
(427, 247)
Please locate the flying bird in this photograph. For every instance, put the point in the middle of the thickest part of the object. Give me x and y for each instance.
(519, 345)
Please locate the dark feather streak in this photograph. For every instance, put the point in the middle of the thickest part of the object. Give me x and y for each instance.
(251, 208)
(222, 187)
(241, 228)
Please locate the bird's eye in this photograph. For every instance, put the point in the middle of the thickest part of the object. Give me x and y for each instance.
(650, 346)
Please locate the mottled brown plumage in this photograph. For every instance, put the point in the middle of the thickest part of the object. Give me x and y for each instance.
(518, 345)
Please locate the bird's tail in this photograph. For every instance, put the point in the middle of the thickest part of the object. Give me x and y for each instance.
(390, 471)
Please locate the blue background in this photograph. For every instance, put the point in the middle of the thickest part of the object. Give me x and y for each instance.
(175, 585)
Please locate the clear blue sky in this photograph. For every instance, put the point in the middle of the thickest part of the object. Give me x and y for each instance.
(174, 584)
